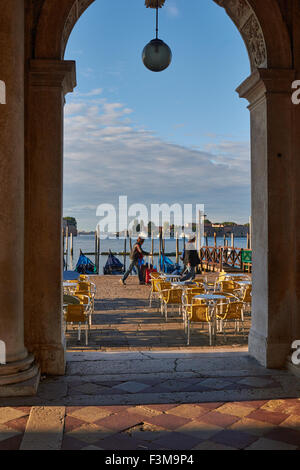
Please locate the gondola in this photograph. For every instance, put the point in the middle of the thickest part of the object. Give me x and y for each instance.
(113, 265)
(169, 267)
(85, 265)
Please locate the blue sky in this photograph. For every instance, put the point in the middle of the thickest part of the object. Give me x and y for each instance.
(177, 136)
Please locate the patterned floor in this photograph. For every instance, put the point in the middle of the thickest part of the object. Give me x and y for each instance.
(253, 425)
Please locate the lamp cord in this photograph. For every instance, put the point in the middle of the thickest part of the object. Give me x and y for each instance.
(157, 20)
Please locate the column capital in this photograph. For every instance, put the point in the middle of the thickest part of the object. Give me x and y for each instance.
(266, 81)
(53, 73)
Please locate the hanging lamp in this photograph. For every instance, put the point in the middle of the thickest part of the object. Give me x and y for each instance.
(157, 56)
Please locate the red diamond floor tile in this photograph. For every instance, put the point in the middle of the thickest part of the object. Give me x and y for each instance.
(268, 416)
(12, 443)
(18, 424)
(219, 419)
(167, 421)
(120, 421)
(236, 439)
(177, 441)
(290, 436)
(72, 423)
(69, 443)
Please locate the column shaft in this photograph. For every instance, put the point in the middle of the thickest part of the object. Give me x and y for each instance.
(268, 92)
(48, 83)
(12, 179)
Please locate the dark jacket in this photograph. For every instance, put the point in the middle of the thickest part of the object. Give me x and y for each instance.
(135, 255)
(191, 256)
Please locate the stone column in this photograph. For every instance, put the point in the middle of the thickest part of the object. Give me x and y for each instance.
(269, 94)
(19, 366)
(49, 81)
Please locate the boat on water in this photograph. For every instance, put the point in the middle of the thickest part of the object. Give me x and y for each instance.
(113, 265)
(85, 265)
(169, 267)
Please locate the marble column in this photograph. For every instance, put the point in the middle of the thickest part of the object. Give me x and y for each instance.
(19, 365)
(49, 81)
(269, 94)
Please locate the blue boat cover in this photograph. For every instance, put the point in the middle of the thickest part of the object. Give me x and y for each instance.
(85, 265)
(113, 265)
(169, 267)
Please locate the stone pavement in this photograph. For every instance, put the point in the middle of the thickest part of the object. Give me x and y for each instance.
(176, 400)
(250, 425)
(124, 320)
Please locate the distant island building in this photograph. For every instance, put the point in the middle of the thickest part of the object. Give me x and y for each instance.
(238, 231)
(71, 223)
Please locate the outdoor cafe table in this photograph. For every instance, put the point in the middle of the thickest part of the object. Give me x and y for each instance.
(212, 300)
(183, 284)
(236, 275)
(70, 285)
(171, 277)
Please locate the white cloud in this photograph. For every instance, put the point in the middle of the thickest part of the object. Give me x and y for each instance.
(95, 92)
(172, 9)
(106, 156)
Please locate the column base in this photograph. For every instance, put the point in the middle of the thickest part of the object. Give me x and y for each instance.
(295, 370)
(19, 378)
(28, 388)
(51, 358)
(269, 355)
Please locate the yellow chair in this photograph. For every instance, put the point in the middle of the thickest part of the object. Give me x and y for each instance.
(246, 297)
(87, 288)
(76, 314)
(197, 312)
(169, 297)
(84, 278)
(87, 302)
(229, 286)
(155, 275)
(154, 289)
(231, 312)
(187, 298)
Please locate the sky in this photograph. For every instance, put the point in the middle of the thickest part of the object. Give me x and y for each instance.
(179, 136)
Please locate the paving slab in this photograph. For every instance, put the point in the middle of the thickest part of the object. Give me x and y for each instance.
(44, 430)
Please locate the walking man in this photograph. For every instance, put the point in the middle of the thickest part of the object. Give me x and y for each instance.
(136, 257)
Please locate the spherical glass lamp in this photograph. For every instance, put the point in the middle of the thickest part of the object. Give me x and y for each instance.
(157, 56)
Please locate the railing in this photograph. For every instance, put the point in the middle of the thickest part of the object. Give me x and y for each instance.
(217, 259)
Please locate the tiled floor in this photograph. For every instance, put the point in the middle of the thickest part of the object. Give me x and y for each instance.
(267, 425)
(138, 387)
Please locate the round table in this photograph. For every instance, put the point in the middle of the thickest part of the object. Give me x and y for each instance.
(236, 275)
(183, 284)
(172, 276)
(70, 284)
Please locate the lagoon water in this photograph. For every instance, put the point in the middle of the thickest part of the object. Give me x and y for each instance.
(86, 243)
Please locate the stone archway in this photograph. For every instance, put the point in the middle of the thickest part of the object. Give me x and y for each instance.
(270, 31)
(257, 27)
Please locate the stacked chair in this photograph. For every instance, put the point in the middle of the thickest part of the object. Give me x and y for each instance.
(79, 304)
